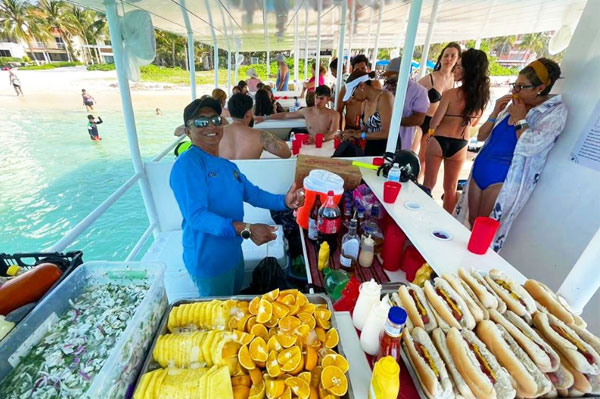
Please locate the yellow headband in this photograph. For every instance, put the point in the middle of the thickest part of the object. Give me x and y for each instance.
(541, 71)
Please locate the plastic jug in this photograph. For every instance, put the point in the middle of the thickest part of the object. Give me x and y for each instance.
(318, 182)
(335, 282)
(393, 246)
(370, 334)
(369, 295)
(385, 381)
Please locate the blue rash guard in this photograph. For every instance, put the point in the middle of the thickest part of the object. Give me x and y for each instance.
(211, 192)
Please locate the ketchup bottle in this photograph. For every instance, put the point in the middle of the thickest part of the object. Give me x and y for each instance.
(389, 340)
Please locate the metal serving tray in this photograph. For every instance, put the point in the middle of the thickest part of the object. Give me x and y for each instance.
(318, 299)
(419, 386)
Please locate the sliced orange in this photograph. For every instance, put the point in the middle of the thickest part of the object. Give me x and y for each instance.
(241, 324)
(258, 330)
(301, 299)
(286, 340)
(245, 359)
(334, 380)
(299, 367)
(332, 338)
(241, 392)
(289, 323)
(320, 334)
(314, 393)
(336, 360)
(322, 313)
(299, 387)
(274, 387)
(254, 306)
(272, 322)
(256, 376)
(287, 299)
(325, 394)
(326, 324)
(241, 380)
(250, 323)
(273, 368)
(274, 345)
(241, 337)
(287, 394)
(272, 332)
(271, 295)
(280, 310)
(308, 308)
(290, 358)
(307, 319)
(315, 376)
(230, 349)
(265, 311)
(305, 376)
(257, 391)
(258, 350)
(311, 358)
(326, 351)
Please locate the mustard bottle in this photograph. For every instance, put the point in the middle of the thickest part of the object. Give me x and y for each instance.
(323, 256)
(385, 382)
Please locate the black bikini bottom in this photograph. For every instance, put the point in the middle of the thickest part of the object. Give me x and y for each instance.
(450, 146)
(425, 125)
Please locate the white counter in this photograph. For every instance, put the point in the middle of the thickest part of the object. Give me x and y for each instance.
(307, 149)
(281, 124)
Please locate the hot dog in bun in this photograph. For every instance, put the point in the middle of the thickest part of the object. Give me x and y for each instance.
(548, 299)
(477, 309)
(481, 288)
(448, 304)
(576, 350)
(427, 364)
(531, 383)
(516, 297)
(478, 366)
(412, 298)
(439, 339)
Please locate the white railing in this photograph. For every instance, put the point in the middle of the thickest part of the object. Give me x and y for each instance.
(170, 147)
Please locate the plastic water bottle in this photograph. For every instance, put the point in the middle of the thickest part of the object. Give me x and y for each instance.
(394, 173)
(296, 104)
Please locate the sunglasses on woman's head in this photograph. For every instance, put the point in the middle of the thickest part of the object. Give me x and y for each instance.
(204, 121)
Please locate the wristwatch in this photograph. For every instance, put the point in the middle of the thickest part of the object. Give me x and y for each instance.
(246, 233)
(522, 124)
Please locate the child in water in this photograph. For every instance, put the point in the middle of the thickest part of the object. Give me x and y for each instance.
(93, 128)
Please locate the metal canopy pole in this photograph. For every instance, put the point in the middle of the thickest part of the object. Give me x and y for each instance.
(114, 27)
(340, 56)
(266, 29)
(376, 49)
(228, 71)
(318, 60)
(430, 26)
(368, 46)
(216, 45)
(235, 75)
(306, 42)
(352, 12)
(404, 73)
(583, 280)
(191, 52)
(296, 52)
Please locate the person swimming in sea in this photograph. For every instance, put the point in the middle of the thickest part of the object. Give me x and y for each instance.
(88, 100)
(93, 128)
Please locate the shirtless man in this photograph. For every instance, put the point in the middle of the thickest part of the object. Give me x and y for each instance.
(319, 119)
(240, 141)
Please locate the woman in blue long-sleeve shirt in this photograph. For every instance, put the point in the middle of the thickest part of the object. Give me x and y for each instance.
(211, 192)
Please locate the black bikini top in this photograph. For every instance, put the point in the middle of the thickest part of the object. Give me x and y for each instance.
(434, 95)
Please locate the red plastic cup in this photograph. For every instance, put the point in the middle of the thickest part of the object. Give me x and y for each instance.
(390, 191)
(319, 140)
(296, 145)
(378, 161)
(336, 142)
(482, 234)
(302, 137)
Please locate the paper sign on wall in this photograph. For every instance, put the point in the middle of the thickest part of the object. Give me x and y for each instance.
(587, 150)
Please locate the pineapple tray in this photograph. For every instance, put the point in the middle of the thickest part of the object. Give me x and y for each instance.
(88, 337)
(283, 344)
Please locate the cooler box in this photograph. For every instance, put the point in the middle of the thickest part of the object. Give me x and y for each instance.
(178, 283)
(318, 182)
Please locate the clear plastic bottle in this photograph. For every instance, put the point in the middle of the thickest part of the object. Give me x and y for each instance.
(394, 173)
(369, 293)
(350, 248)
(374, 325)
(367, 252)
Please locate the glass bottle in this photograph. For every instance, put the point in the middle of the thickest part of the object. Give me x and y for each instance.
(313, 219)
(350, 248)
(371, 227)
(360, 215)
(389, 340)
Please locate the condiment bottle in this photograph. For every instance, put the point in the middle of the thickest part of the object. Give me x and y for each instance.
(385, 381)
(389, 341)
(313, 218)
(350, 248)
(367, 251)
(330, 222)
(369, 295)
(323, 256)
(335, 282)
(374, 325)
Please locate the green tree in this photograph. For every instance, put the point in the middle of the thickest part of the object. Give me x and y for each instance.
(89, 25)
(56, 18)
(536, 42)
(19, 22)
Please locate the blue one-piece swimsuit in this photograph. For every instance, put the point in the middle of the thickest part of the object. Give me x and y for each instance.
(493, 162)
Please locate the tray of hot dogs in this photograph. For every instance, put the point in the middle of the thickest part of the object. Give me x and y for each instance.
(478, 336)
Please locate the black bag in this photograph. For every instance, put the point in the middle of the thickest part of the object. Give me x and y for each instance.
(348, 149)
(266, 277)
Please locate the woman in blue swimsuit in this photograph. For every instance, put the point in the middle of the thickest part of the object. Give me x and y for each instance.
(459, 109)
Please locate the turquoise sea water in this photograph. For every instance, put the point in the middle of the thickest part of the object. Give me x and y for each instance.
(52, 175)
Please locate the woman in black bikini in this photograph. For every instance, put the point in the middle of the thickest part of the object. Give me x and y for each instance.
(436, 83)
(376, 111)
(459, 109)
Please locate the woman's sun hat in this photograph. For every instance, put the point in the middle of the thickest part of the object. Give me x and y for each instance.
(252, 73)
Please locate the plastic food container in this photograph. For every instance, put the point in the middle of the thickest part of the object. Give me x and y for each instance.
(120, 369)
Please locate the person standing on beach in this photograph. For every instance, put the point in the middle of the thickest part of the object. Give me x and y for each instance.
(15, 82)
(93, 128)
(88, 100)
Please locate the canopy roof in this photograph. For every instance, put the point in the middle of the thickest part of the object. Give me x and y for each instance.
(240, 24)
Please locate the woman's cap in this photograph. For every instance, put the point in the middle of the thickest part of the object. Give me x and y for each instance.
(252, 73)
(393, 67)
(280, 57)
(192, 108)
(352, 85)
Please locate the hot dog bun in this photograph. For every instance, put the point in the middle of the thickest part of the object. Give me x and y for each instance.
(481, 288)
(580, 382)
(471, 356)
(439, 339)
(531, 383)
(418, 310)
(516, 297)
(477, 309)
(561, 378)
(542, 354)
(548, 299)
(448, 304)
(577, 351)
(587, 336)
(428, 364)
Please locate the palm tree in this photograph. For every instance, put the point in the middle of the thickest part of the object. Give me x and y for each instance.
(536, 42)
(18, 22)
(89, 25)
(502, 44)
(56, 19)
